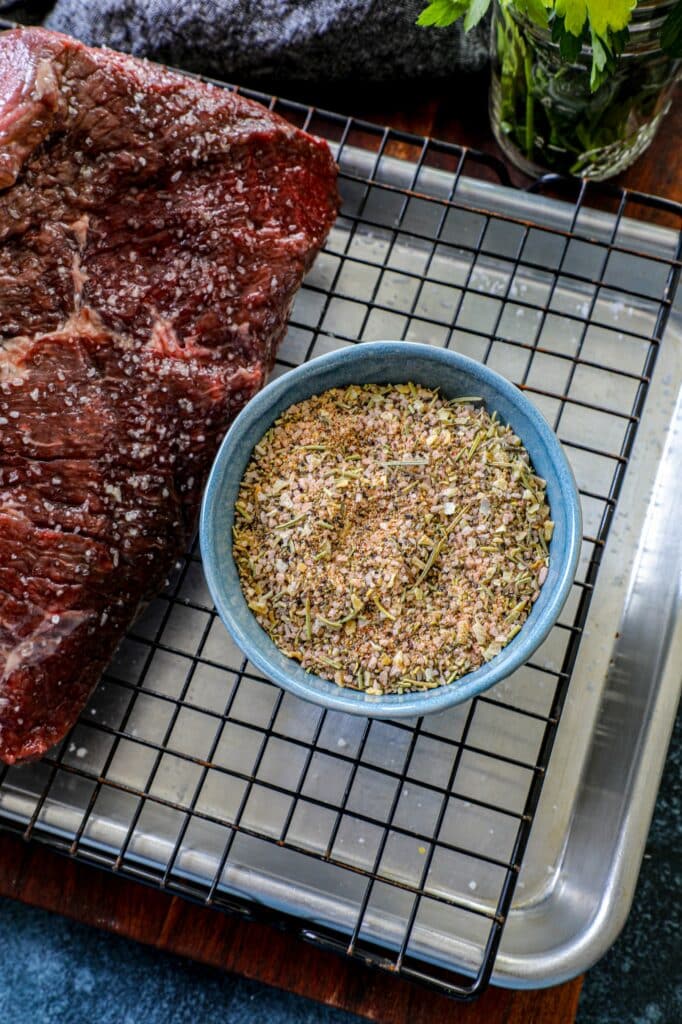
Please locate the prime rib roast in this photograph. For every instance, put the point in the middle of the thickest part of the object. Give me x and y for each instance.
(153, 232)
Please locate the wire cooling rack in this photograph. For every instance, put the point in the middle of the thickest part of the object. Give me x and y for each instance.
(380, 840)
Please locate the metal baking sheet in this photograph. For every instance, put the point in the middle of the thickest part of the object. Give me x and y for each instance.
(182, 739)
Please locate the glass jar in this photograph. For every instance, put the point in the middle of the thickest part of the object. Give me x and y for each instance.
(543, 114)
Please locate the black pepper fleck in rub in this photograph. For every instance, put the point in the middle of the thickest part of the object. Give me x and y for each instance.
(437, 555)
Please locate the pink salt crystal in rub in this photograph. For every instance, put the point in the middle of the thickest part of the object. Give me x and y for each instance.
(389, 539)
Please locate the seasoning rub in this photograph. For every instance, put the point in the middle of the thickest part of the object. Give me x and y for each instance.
(390, 539)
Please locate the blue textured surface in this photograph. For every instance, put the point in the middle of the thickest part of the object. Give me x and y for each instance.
(387, 362)
(54, 971)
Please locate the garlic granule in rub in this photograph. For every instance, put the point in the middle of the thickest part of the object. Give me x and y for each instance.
(389, 539)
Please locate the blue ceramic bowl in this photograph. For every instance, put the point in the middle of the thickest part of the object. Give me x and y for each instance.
(387, 362)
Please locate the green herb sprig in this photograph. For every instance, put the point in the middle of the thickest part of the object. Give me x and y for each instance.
(599, 24)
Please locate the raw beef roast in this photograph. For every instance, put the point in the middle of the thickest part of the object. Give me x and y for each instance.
(153, 232)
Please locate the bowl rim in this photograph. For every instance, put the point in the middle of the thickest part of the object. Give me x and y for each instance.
(306, 684)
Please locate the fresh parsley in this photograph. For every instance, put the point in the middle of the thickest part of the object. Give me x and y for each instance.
(444, 12)
(601, 25)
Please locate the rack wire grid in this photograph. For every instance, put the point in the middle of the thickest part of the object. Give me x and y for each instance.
(191, 772)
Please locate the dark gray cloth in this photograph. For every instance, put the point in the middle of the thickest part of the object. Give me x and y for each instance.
(288, 40)
(26, 12)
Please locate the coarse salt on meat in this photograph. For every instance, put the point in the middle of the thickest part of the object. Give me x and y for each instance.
(139, 209)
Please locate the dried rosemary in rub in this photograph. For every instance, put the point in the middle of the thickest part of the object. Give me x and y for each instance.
(390, 539)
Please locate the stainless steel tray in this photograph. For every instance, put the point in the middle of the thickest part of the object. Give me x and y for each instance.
(189, 770)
